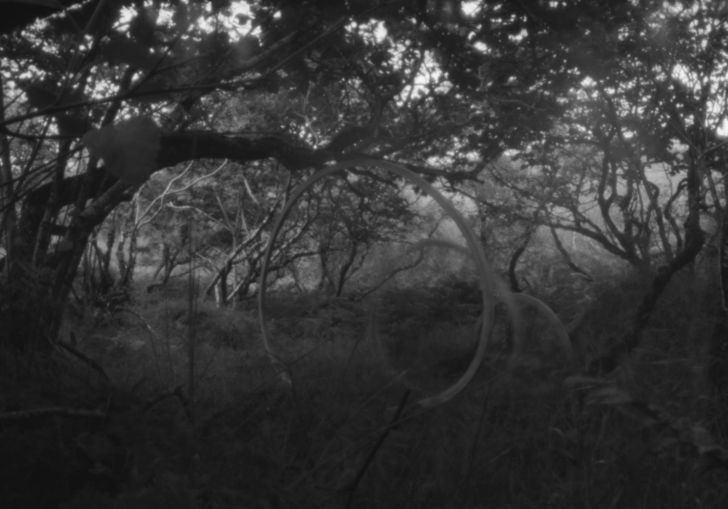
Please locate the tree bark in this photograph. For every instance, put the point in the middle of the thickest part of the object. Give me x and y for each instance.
(106, 193)
(718, 351)
(694, 241)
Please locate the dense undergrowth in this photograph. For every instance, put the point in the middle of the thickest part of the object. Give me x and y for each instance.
(349, 432)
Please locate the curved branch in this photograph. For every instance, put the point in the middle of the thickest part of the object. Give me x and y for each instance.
(187, 146)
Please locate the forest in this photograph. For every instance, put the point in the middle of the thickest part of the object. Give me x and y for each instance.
(363, 253)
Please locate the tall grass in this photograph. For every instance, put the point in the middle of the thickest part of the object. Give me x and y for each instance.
(538, 435)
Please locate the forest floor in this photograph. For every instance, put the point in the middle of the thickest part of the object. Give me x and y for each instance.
(349, 431)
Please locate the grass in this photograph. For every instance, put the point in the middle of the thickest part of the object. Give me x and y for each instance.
(513, 438)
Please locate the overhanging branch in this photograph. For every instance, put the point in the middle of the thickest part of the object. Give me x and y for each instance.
(188, 146)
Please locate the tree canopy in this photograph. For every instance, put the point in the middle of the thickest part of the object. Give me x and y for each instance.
(583, 141)
(599, 118)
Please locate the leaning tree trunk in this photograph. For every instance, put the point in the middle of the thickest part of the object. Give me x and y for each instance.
(515, 256)
(718, 351)
(46, 252)
(127, 260)
(221, 288)
(694, 241)
(38, 284)
(345, 269)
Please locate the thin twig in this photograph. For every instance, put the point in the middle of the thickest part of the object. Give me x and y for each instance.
(92, 363)
(176, 392)
(22, 415)
(392, 425)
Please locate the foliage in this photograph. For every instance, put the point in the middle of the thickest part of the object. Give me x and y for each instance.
(424, 83)
(636, 438)
(628, 160)
(182, 126)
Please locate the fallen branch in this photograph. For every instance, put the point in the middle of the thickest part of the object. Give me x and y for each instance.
(392, 425)
(22, 415)
(176, 392)
(92, 363)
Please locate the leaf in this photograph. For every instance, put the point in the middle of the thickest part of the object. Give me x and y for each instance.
(132, 53)
(703, 441)
(246, 48)
(154, 85)
(73, 125)
(40, 98)
(129, 148)
(53, 4)
(65, 245)
(575, 380)
(180, 16)
(72, 97)
(609, 395)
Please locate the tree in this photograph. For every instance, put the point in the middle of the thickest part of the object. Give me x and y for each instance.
(175, 77)
(444, 86)
(635, 159)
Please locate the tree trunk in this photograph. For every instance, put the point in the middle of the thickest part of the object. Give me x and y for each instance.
(127, 260)
(36, 295)
(344, 271)
(513, 262)
(567, 258)
(36, 282)
(694, 241)
(221, 289)
(718, 351)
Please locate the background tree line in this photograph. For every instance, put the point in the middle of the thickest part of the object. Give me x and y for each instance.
(584, 141)
(616, 138)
